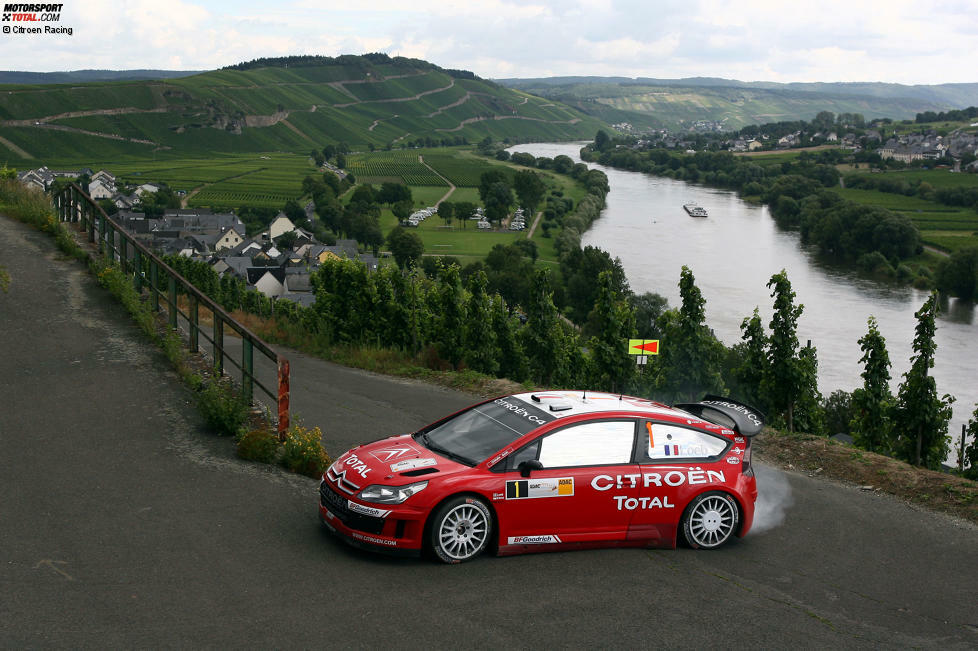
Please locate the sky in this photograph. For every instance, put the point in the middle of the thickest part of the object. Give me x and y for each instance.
(900, 41)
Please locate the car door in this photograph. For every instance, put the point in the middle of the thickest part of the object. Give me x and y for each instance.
(678, 463)
(581, 492)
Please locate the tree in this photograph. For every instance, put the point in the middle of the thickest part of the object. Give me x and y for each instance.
(690, 356)
(543, 336)
(294, 211)
(498, 200)
(512, 361)
(648, 308)
(450, 317)
(615, 323)
(872, 403)
(487, 178)
(405, 246)
(971, 451)
(403, 209)
(601, 140)
(530, 189)
(286, 241)
(753, 354)
(463, 210)
(921, 418)
(446, 211)
(783, 382)
(391, 193)
(481, 351)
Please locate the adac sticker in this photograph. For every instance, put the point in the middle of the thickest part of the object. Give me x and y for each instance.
(733, 460)
(532, 488)
(410, 464)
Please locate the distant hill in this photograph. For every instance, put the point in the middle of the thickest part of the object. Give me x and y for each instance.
(676, 103)
(82, 76)
(293, 104)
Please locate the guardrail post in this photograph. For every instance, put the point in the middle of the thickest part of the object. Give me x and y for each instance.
(194, 323)
(91, 223)
(247, 369)
(154, 285)
(101, 233)
(172, 297)
(137, 279)
(218, 344)
(124, 253)
(283, 398)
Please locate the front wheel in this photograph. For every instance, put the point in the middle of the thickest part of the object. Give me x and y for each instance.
(460, 529)
(710, 520)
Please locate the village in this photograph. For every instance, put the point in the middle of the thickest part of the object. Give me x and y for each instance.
(262, 261)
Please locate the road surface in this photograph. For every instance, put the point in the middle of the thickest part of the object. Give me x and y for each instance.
(124, 524)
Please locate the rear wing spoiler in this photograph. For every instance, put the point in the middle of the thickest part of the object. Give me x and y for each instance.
(739, 417)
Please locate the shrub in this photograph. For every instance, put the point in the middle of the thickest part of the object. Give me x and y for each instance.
(302, 451)
(259, 445)
(223, 409)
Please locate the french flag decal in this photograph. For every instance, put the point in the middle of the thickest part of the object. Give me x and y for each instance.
(672, 450)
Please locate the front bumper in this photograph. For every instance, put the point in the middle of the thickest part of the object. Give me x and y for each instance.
(399, 531)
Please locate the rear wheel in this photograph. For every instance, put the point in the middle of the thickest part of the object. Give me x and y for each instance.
(460, 529)
(710, 520)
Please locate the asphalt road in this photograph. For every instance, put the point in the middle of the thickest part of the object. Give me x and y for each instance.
(124, 524)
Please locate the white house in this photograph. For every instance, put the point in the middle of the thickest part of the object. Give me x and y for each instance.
(228, 240)
(279, 226)
(98, 190)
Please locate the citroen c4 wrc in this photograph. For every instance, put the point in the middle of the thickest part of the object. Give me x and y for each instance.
(550, 470)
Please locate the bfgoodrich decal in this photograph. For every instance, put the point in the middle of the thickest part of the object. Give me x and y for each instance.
(533, 540)
(534, 488)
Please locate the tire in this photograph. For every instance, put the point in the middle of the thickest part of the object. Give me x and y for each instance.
(710, 520)
(460, 529)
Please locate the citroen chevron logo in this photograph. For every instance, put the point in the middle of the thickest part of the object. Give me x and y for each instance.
(339, 478)
(389, 454)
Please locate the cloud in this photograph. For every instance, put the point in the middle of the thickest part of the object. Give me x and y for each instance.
(890, 40)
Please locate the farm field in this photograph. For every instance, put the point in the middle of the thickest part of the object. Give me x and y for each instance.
(946, 227)
(941, 178)
(225, 182)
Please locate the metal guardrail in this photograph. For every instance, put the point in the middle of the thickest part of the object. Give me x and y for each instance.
(149, 272)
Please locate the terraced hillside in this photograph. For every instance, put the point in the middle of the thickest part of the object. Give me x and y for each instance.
(677, 104)
(296, 104)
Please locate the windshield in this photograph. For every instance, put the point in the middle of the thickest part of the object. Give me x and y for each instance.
(473, 435)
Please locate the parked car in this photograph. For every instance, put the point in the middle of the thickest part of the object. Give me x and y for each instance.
(549, 470)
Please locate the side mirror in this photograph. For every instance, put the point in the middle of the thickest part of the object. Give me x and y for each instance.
(526, 467)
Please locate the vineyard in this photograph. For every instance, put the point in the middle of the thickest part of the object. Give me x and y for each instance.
(391, 165)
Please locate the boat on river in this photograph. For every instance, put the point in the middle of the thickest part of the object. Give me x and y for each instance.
(695, 210)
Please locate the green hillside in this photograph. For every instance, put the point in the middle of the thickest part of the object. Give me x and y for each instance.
(677, 104)
(296, 104)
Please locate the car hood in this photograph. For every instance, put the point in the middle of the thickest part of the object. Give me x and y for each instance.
(393, 461)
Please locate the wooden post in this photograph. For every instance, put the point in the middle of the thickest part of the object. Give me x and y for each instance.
(154, 285)
(247, 369)
(218, 344)
(172, 297)
(283, 398)
(194, 323)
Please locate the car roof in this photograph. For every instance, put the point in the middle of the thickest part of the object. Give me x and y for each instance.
(561, 404)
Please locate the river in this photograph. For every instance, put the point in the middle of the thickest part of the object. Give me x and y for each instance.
(735, 251)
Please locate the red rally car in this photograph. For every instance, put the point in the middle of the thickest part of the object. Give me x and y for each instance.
(550, 470)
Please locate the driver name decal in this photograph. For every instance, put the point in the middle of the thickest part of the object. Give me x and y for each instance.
(533, 488)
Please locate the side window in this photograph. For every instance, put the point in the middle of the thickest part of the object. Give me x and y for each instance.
(526, 453)
(589, 444)
(673, 442)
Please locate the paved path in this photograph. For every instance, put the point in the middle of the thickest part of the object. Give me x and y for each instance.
(123, 524)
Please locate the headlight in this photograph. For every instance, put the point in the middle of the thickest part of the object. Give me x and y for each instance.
(390, 494)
